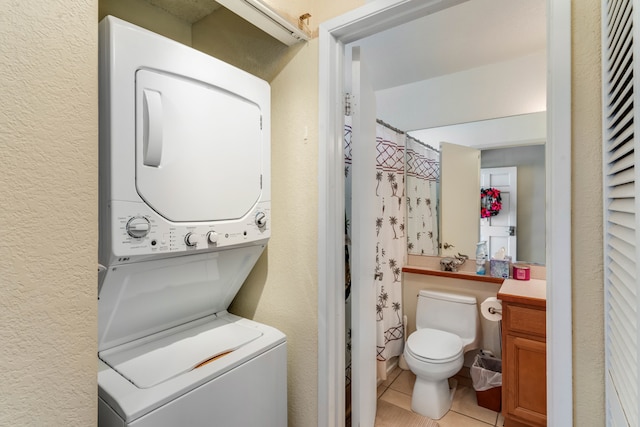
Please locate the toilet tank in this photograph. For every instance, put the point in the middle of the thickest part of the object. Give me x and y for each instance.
(449, 312)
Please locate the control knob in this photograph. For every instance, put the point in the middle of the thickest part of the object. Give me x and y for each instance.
(191, 239)
(261, 219)
(138, 227)
(212, 237)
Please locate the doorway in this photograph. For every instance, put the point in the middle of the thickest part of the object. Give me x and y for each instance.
(366, 21)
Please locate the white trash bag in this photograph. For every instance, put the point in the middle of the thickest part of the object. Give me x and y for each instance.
(486, 372)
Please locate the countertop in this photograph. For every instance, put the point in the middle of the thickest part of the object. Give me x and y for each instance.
(532, 292)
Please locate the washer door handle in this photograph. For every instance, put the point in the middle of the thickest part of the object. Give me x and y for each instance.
(152, 127)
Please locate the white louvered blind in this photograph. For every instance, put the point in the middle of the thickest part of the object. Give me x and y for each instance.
(620, 206)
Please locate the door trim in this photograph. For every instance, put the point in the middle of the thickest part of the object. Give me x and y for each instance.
(558, 259)
(367, 20)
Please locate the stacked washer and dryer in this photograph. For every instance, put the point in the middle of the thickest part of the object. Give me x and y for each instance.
(184, 215)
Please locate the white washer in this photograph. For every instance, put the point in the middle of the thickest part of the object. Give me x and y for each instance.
(184, 216)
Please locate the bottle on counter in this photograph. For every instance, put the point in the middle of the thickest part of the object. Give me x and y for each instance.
(481, 257)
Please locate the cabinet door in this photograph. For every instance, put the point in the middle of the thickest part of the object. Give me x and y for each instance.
(526, 386)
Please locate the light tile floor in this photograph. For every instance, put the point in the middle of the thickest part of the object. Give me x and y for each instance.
(464, 412)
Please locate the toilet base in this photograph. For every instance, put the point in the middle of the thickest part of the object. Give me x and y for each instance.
(432, 398)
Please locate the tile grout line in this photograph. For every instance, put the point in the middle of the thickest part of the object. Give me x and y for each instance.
(390, 387)
(474, 418)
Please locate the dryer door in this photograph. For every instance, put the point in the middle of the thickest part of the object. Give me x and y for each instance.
(199, 153)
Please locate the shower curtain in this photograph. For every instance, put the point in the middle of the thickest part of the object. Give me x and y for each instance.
(423, 180)
(347, 266)
(391, 243)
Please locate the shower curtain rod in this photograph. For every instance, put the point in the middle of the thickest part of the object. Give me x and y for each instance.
(387, 125)
(423, 143)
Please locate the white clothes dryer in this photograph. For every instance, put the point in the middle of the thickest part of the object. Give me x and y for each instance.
(185, 210)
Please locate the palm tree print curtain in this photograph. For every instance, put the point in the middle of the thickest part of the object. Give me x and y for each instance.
(347, 266)
(423, 179)
(390, 246)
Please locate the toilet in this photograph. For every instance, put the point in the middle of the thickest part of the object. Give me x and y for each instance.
(447, 326)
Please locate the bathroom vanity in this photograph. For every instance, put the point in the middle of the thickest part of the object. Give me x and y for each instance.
(524, 352)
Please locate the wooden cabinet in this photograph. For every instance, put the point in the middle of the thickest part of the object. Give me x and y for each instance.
(524, 361)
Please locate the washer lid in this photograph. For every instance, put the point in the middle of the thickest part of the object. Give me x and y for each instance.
(434, 344)
(152, 361)
(144, 298)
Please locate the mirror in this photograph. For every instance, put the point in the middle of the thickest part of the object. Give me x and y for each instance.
(488, 153)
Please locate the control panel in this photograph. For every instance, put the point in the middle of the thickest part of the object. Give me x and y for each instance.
(139, 232)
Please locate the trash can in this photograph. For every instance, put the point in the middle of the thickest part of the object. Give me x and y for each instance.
(486, 375)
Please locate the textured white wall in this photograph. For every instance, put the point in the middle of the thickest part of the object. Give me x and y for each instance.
(48, 212)
(586, 163)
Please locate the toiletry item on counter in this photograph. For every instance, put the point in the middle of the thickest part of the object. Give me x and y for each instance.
(452, 263)
(499, 264)
(481, 257)
(499, 268)
(521, 272)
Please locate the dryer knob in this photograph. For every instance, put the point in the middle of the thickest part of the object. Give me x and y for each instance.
(138, 227)
(261, 219)
(212, 237)
(191, 239)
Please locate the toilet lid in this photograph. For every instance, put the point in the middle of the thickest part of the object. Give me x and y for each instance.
(435, 345)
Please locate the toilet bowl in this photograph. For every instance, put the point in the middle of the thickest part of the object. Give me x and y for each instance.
(447, 327)
(433, 356)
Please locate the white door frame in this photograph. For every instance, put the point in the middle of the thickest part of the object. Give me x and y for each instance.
(362, 255)
(367, 20)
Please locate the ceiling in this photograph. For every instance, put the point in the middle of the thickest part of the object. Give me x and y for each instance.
(469, 35)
